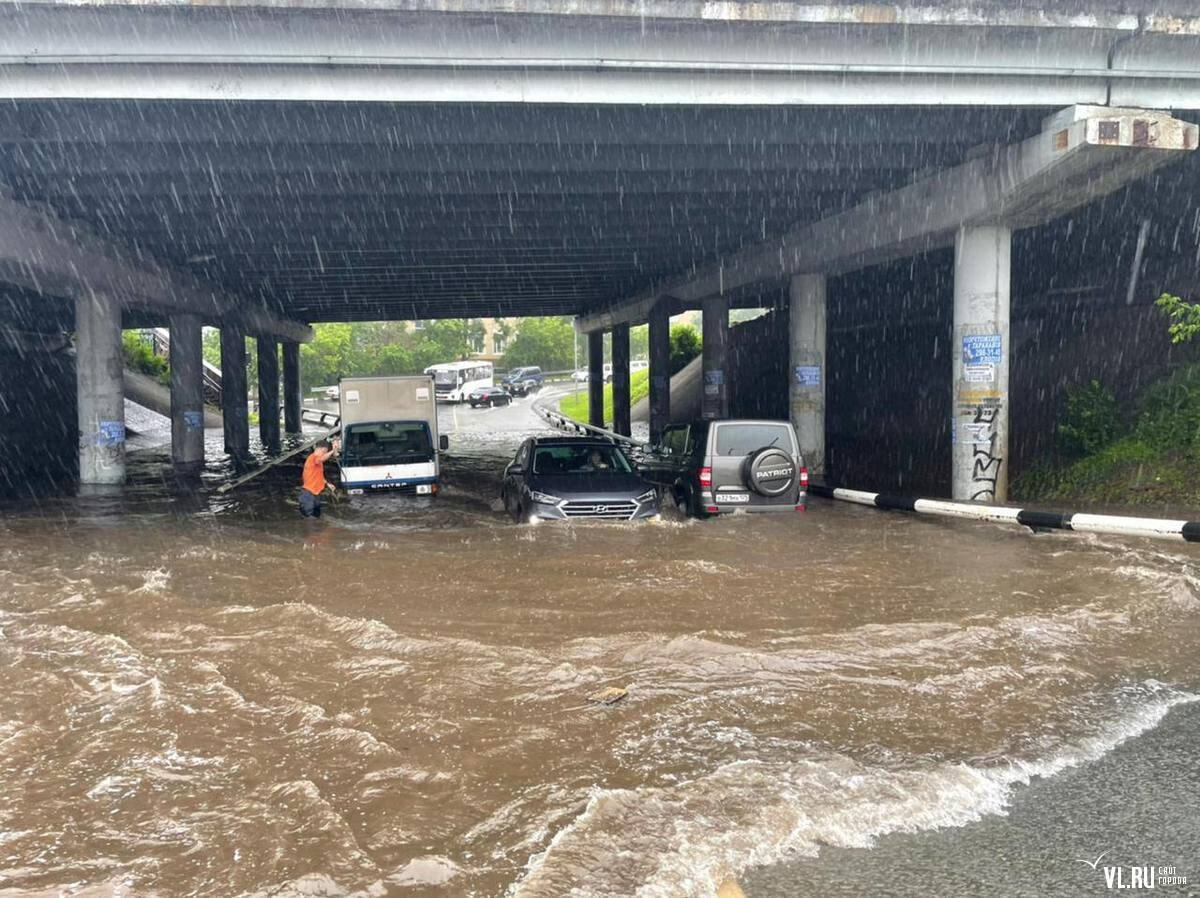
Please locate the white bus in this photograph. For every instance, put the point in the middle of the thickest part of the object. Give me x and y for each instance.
(454, 381)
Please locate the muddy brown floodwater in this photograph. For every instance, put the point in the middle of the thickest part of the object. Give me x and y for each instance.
(210, 698)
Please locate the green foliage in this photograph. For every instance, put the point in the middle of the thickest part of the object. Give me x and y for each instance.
(1185, 317)
(1091, 420)
(1152, 464)
(576, 404)
(139, 356)
(546, 342)
(685, 346)
(1170, 412)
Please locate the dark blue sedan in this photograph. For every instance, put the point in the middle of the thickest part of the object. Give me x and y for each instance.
(568, 478)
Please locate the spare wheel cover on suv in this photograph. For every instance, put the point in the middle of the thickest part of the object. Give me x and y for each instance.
(770, 472)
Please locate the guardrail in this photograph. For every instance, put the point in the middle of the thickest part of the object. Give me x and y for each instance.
(1037, 521)
(316, 416)
(559, 421)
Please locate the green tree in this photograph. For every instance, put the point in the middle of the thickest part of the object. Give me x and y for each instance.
(685, 346)
(1185, 317)
(546, 342)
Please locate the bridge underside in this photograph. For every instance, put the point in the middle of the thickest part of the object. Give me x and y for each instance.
(339, 212)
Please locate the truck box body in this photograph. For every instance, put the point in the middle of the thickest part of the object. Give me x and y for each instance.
(389, 434)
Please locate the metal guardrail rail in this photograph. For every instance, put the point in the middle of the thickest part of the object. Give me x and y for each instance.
(559, 421)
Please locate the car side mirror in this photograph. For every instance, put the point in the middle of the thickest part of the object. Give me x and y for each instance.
(443, 443)
(516, 469)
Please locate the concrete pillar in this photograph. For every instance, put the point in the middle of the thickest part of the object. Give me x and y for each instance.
(620, 379)
(233, 392)
(596, 378)
(714, 400)
(291, 388)
(806, 367)
(100, 386)
(187, 392)
(268, 394)
(660, 373)
(980, 353)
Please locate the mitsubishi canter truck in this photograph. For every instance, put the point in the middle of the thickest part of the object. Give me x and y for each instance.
(390, 435)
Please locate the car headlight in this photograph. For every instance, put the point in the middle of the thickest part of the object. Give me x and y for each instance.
(646, 496)
(543, 498)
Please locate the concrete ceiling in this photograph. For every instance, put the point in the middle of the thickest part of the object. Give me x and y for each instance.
(329, 212)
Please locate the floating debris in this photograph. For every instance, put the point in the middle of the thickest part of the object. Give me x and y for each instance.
(609, 695)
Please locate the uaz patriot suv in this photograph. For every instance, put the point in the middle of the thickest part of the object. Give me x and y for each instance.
(714, 467)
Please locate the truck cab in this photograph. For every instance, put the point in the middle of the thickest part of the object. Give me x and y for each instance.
(390, 437)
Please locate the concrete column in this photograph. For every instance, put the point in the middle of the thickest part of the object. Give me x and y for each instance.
(187, 392)
(660, 373)
(268, 394)
(291, 388)
(806, 367)
(714, 400)
(100, 386)
(620, 379)
(596, 378)
(980, 353)
(233, 392)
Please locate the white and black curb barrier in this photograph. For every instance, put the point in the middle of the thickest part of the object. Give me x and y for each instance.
(1158, 528)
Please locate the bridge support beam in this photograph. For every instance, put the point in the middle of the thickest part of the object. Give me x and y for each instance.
(100, 388)
(187, 393)
(660, 372)
(291, 387)
(268, 394)
(596, 378)
(620, 380)
(980, 354)
(806, 367)
(714, 401)
(233, 392)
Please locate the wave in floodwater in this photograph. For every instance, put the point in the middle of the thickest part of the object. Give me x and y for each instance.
(688, 838)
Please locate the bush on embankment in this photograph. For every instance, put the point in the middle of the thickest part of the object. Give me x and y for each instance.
(1148, 455)
(139, 356)
(576, 404)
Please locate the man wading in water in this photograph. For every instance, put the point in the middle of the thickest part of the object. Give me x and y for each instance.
(314, 478)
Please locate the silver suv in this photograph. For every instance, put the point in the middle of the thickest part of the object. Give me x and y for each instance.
(715, 467)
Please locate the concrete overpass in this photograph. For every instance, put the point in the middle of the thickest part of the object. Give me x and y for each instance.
(265, 165)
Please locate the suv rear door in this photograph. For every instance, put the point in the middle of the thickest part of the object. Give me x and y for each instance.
(731, 445)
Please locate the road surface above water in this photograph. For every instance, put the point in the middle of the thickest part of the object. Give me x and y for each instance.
(209, 696)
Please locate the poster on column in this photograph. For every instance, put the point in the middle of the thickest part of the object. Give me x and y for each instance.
(981, 354)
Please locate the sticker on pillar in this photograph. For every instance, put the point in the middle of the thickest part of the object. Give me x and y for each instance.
(982, 349)
(713, 379)
(193, 420)
(807, 375)
(979, 374)
(110, 433)
(352, 396)
(422, 394)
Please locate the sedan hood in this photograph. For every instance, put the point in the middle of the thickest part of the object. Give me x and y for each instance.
(572, 486)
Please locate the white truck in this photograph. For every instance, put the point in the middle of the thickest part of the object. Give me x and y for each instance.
(390, 435)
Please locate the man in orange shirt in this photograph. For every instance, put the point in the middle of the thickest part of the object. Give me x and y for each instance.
(313, 479)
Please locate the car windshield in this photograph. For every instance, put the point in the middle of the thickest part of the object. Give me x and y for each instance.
(587, 458)
(445, 377)
(742, 439)
(387, 443)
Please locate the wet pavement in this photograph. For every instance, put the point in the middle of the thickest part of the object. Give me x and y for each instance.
(210, 696)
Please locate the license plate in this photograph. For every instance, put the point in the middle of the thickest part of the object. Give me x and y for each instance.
(424, 489)
(732, 498)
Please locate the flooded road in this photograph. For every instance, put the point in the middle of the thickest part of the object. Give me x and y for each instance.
(218, 698)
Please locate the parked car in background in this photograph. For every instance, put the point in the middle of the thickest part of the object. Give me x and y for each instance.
(523, 381)
(580, 376)
(715, 467)
(570, 478)
(489, 396)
